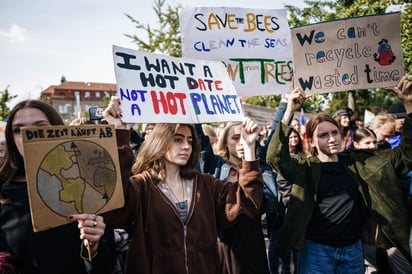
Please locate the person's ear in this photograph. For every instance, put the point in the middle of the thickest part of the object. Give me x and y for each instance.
(311, 142)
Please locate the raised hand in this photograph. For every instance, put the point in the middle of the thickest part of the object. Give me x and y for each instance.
(113, 113)
(249, 134)
(296, 98)
(404, 92)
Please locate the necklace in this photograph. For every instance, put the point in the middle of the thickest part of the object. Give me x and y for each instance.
(181, 204)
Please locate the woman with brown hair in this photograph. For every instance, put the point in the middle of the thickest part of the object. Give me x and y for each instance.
(346, 126)
(177, 211)
(57, 250)
(333, 191)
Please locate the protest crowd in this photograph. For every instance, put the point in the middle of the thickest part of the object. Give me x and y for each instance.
(243, 243)
(329, 194)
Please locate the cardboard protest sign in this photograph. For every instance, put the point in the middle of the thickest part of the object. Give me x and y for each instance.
(355, 53)
(254, 44)
(156, 88)
(71, 170)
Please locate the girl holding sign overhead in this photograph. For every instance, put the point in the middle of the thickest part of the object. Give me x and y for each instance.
(56, 250)
(177, 211)
(333, 192)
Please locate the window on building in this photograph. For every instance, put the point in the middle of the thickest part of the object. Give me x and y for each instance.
(97, 94)
(87, 94)
(62, 109)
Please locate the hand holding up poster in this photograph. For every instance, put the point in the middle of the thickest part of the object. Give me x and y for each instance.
(71, 170)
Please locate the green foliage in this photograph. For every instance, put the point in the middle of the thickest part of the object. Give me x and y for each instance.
(85, 114)
(313, 12)
(166, 39)
(406, 36)
(266, 101)
(316, 103)
(5, 98)
(319, 11)
(45, 98)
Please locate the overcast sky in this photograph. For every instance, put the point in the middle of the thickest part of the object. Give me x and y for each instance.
(43, 40)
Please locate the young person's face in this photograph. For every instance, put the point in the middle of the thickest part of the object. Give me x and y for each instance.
(181, 148)
(327, 140)
(366, 143)
(233, 142)
(344, 121)
(24, 118)
(149, 128)
(295, 124)
(293, 139)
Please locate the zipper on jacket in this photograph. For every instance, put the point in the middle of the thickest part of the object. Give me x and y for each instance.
(185, 247)
(192, 205)
(190, 212)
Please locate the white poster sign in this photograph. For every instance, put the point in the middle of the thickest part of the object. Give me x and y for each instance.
(254, 44)
(156, 88)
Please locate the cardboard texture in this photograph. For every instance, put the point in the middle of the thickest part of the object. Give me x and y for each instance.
(71, 170)
(348, 54)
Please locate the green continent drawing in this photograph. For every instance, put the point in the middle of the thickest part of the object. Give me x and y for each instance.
(76, 177)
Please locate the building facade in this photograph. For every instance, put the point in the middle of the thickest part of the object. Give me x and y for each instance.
(72, 99)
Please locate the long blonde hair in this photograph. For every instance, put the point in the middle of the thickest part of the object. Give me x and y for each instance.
(222, 149)
(151, 156)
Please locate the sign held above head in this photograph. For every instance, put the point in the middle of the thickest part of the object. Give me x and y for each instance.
(155, 88)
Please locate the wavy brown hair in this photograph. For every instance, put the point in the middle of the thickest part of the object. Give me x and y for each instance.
(151, 156)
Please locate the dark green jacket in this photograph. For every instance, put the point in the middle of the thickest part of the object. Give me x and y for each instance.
(375, 171)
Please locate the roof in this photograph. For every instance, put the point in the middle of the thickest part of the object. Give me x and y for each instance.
(79, 86)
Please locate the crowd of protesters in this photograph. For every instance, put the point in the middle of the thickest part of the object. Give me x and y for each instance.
(329, 196)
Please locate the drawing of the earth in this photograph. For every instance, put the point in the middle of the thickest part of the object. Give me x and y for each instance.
(72, 171)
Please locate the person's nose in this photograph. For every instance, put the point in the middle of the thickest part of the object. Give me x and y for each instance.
(186, 144)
